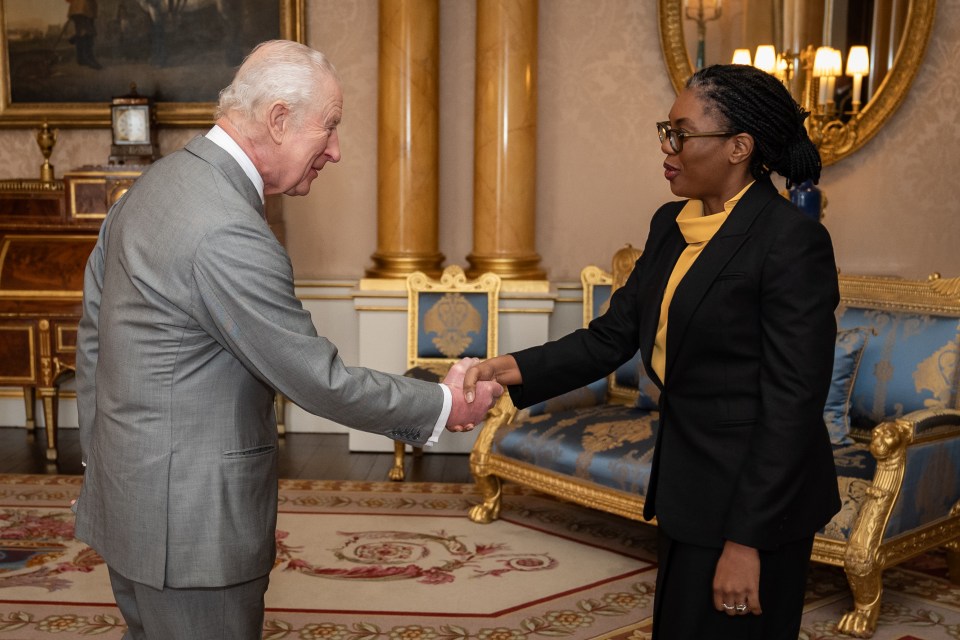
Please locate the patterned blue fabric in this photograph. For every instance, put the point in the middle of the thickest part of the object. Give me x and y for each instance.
(591, 395)
(855, 469)
(452, 325)
(610, 444)
(931, 486)
(910, 363)
(846, 362)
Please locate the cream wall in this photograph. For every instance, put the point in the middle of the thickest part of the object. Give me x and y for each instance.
(602, 86)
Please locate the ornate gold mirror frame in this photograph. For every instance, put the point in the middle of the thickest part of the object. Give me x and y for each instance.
(885, 100)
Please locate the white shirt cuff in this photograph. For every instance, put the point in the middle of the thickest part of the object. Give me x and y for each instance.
(444, 416)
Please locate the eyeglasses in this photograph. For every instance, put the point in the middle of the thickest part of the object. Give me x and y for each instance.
(675, 136)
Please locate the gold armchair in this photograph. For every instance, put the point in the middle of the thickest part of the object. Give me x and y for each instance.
(521, 446)
(447, 319)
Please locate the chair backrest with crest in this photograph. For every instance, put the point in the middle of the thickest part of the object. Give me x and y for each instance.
(450, 318)
(629, 383)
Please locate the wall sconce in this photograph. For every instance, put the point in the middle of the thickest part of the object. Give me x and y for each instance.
(833, 132)
(702, 12)
(827, 128)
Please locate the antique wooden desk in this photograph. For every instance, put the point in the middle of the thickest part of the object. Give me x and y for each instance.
(47, 231)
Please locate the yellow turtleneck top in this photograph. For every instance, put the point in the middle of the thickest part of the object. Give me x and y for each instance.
(697, 230)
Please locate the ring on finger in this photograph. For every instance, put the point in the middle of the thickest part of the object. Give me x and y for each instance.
(741, 608)
(728, 607)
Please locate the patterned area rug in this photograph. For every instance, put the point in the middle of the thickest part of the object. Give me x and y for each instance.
(401, 561)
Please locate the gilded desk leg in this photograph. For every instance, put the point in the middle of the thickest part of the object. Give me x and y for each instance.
(488, 510)
(51, 401)
(396, 472)
(30, 406)
(280, 407)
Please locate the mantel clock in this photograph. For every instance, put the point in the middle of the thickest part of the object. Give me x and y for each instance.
(133, 124)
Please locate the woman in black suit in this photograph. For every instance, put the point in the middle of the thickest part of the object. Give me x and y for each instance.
(732, 307)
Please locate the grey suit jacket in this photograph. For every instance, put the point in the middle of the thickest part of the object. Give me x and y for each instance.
(190, 322)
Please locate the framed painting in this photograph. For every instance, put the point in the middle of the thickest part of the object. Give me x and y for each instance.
(61, 61)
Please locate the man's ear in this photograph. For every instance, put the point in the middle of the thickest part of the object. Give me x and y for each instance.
(278, 120)
(742, 148)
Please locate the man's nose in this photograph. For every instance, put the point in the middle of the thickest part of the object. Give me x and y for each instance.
(333, 147)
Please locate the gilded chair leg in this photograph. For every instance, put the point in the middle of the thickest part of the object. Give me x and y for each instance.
(397, 472)
(491, 491)
(867, 589)
(953, 561)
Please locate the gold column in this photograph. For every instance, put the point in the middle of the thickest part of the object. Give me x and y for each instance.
(408, 124)
(505, 141)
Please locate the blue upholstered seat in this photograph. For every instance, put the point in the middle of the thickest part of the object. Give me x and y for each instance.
(607, 444)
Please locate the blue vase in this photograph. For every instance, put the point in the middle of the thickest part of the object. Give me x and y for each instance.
(808, 198)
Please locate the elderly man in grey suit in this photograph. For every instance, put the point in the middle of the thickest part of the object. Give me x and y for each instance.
(190, 323)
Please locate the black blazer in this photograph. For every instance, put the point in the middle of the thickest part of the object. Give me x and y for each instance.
(742, 451)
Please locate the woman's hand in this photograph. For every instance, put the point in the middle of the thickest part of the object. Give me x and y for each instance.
(502, 369)
(736, 583)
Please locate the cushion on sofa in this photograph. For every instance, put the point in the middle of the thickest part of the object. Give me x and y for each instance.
(846, 361)
(590, 395)
(910, 363)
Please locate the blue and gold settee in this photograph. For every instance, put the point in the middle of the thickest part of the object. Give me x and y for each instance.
(892, 413)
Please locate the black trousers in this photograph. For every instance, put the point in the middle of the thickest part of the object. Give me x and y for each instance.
(683, 603)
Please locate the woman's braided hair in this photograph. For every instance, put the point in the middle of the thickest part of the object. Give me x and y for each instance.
(755, 102)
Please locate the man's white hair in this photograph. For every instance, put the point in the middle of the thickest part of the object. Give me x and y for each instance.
(277, 70)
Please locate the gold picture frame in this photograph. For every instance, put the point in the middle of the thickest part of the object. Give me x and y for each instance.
(37, 58)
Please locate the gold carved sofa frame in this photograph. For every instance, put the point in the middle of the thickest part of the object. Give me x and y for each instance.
(898, 455)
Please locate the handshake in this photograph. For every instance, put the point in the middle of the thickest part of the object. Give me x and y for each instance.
(466, 414)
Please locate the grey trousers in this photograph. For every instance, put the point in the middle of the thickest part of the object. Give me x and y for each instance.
(227, 613)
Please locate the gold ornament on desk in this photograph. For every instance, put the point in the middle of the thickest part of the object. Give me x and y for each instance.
(46, 138)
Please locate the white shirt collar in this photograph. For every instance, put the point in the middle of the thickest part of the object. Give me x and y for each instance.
(223, 140)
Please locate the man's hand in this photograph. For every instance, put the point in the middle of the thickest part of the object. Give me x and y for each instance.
(502, 369)
(465, 415)
(736, 583)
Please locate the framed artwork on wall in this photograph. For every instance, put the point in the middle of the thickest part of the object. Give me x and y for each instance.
(61, 61)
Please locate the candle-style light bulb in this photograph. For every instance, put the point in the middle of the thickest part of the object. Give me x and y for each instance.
(741, 56)
(858, 65)
(821, 70)
(836, 70)
(766, 58)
